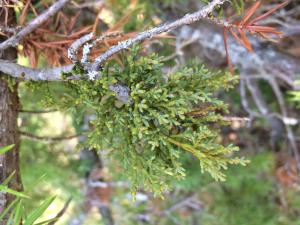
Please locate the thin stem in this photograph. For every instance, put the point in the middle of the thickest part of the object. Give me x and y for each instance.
(37, 111)
(47, 138)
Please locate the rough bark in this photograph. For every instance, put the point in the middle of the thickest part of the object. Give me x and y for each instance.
(9, 162)
(9, 105)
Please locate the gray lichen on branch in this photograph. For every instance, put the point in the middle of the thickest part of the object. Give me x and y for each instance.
(26, 73)
(186, 20)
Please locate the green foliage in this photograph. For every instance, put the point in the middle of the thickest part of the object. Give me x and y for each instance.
(295, 95)
(6, 189)
(167, 115)
(42, 163)
(35, 214)
(6, 149)
(4, 186)
(17, 213)
(248, 197)
(239, 5)
(16, 209)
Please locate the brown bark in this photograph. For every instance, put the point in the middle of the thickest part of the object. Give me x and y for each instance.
(9, 105)
(9, 162)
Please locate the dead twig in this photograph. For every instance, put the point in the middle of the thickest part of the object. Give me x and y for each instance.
(15, 39)
(61, 212)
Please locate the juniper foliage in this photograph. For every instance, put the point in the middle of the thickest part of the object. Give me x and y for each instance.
(167, 115)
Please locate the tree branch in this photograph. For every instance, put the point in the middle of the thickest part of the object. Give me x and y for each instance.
(53, 74)
(61, 212)
(186, 20)
(26, 73)
(262, 61)
(122, 92)
(48, 139)
(89, 4)
(37, 111)
(14, 40)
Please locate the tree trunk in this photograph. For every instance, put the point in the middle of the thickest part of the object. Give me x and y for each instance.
(9, 106)
(9, 162)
